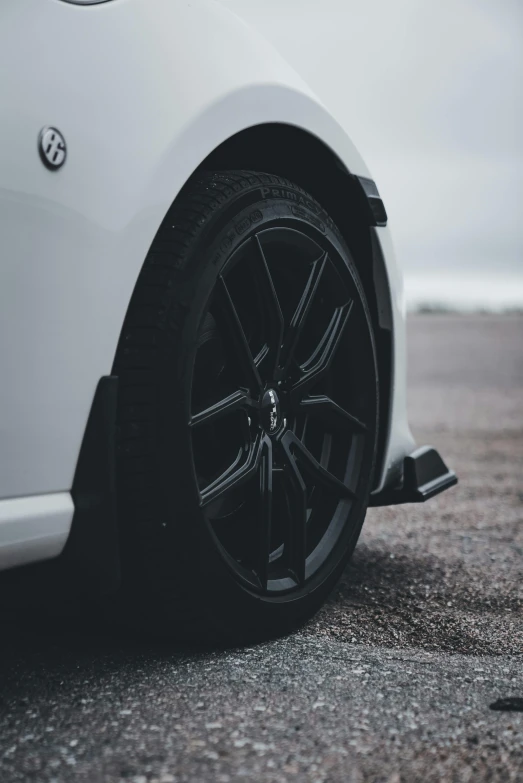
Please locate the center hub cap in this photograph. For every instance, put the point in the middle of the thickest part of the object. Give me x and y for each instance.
(270, 411)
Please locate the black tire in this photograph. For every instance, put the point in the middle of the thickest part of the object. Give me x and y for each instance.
(197, 571)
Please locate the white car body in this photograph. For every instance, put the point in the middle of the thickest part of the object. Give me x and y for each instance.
(142, 91)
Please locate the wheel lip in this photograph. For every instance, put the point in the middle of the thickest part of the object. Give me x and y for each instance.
(341, 546)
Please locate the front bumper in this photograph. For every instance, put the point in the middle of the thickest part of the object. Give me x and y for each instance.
(424, 476)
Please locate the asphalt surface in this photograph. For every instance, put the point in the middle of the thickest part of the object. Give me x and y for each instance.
(393, 679)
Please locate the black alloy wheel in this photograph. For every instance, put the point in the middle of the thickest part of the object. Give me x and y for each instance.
(275, 455)
(257, 442)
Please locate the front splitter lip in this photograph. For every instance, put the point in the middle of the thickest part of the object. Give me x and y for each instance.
(425, 475)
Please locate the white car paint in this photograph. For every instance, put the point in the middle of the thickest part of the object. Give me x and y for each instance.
(34, 528)
(143, 91)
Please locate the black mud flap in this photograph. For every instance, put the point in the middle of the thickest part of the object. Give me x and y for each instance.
(91, 555)
(424, 475)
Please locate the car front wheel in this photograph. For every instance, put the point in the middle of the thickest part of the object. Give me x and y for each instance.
(248, 403)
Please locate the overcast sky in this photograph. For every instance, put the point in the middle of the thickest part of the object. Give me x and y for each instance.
(432, 94)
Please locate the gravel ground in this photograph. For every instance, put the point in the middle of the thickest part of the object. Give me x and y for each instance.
(393, 679)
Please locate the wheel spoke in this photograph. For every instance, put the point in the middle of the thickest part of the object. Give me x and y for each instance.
(332, 414)
(265, 511)
(320, 362)
(297, 497)
(236, 401)
(243, 353)
(302, 310)
(316, 471)
(273, 316)
(243, 469)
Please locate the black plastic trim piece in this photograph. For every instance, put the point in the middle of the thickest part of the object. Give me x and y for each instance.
(424, 476)
(377, 212)
(91, 554)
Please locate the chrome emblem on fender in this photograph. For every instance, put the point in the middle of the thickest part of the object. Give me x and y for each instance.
(52, 148)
